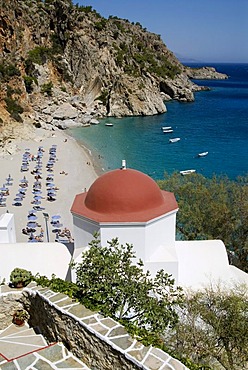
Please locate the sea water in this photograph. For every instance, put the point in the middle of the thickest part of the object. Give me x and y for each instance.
(216, 122)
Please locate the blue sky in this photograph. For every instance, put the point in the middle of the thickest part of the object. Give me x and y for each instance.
(203, 30)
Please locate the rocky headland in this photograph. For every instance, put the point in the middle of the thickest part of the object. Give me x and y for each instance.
(63, 65)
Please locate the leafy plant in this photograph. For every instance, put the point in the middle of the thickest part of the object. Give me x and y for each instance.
(213, 328)
(20, 276)
(28, 81)
(7, 71)
(47, 88)
(108, 280)
(21, 315)
(39, 55)
(57, 285)
(215, 208)
(13, 108)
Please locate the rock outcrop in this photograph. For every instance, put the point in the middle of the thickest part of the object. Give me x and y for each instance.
(63, 65)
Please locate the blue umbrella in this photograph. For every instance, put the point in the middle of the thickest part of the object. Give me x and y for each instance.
(56, 217)
(32, 218)
(36, 202)
(32, 224)
(17, 204)
(36, 191)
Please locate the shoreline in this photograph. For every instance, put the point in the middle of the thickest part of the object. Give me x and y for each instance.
(92, 154)
(74, 172)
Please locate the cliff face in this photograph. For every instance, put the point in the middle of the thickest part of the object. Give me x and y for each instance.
(52, 51)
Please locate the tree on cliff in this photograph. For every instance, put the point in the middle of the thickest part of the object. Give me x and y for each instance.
(109, 281)
(215, 208)
(213, 328)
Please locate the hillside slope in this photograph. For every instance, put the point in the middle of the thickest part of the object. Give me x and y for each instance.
(54, 53)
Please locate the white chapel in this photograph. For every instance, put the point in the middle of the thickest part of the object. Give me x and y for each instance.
(128, 204)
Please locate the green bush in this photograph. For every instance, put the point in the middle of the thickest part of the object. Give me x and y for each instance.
(47, 88)
(20, 276)
(7, 71)
(13, 108)
(39, 55)
(28, 81)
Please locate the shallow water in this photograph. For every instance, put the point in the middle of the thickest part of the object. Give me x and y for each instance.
(216, 122)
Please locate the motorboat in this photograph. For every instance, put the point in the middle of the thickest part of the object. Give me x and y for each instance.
(109, 124)
(187, 172)
(166, 128)
(167, 131)
(203, 154)
(174, 140)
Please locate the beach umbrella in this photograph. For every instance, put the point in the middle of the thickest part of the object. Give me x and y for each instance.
(22, 190)
(36, 202)
(57, 225)
(37, 197)
(18, 204)
(36, 191)
(56, 231)
(32, 224)
(18, 199)
(38, 208)
(56, 217)
(50, 185)
(32, 218)
(32, 211)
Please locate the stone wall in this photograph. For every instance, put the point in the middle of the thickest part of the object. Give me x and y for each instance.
(99, 342)
(9, 303)
(56, 326)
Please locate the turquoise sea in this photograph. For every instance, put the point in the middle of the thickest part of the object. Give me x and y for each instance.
(216, 122)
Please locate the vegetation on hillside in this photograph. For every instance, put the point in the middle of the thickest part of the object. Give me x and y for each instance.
(213, 208)
(213, 328)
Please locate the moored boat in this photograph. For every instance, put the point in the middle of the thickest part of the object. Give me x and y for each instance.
(174, 140)
(166, 128)
(167, 131)
(109, 124)
(203, 154)
(187, 172)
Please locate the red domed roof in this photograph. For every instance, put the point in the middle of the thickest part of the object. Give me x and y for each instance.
(124, 195)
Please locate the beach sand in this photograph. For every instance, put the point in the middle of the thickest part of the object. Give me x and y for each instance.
(78, 175)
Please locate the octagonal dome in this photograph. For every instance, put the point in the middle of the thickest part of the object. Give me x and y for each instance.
(124, 195)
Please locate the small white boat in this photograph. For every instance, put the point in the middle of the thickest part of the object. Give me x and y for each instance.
(166, 128)
(167, 131)
(174, 140)
(203, 154)
(109, 124)
(187, 172)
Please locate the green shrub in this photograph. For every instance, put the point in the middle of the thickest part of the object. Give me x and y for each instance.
(20, 276)
(7, 71)
(47, 88)
(101, 24)
(28, 81)
(57, 285)
(39, 55)
(13, 108)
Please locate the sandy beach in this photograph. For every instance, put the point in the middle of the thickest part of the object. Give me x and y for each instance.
(72, 173)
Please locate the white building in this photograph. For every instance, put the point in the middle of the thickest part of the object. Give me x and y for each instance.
(128, 204)
(7, 228)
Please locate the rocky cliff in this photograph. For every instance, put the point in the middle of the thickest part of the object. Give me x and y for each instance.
(62, 64)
